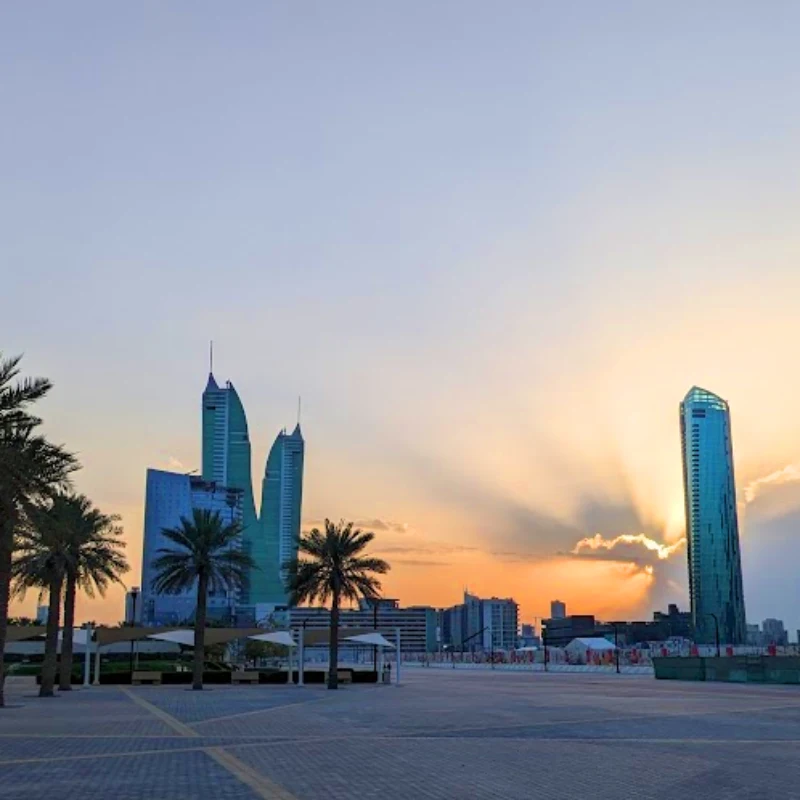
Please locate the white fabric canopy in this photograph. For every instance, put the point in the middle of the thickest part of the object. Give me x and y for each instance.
(178, 637)
(78, 635)
(276, 637)
(371, 638)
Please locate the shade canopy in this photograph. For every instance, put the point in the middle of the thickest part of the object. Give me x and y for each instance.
(370, 638)
(276, 637)
(78, 635)
(177, 637)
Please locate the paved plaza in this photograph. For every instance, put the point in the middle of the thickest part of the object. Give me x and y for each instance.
(442, 734)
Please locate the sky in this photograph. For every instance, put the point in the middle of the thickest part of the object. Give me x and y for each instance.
(491, 245)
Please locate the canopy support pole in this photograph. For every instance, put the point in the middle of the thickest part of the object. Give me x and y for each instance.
(397, 655)
(301, 659)
(87, 657)
(97, 664)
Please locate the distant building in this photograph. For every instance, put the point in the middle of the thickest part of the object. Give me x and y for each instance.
(480, 624)
(227, 463)
(774, 632)
(712, 527)
(559, 632)
(675, 623)
(417, 624)
(527, 636)
(133, 606)
(281, 502)
(42, 613)
(754, 637)
(558, 610)
(169, 496)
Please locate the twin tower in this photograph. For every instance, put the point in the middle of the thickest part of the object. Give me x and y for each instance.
(271, 538)
(225, 487)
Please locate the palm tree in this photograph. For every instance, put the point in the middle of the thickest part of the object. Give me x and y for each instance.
(95, 559)
(30, 469)
(334, 570)
(208, 558)
(40, 562)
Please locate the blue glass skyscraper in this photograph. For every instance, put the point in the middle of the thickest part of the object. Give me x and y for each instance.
(281, 503)
(712, 528)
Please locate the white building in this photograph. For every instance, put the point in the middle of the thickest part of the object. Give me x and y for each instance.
(417, 624)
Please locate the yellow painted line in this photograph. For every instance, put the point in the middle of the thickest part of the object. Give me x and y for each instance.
(168, 719)
(94, 756)
(260, 784)
(259, 711)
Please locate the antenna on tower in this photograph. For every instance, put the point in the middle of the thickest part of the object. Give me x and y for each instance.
(299, 406)
(211, 356)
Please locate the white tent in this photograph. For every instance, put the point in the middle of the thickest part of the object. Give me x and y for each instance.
(371, 638)
(580, 649)
(276, 637)
(178, 637)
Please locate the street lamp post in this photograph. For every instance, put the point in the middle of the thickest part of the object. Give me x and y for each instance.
(544, 645)
(134, 596)
(616, 645)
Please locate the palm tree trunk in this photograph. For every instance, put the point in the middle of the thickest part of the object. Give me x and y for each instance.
(200, 632)
(51, 640)
(333, 657)
(5, 588)
(65, 674)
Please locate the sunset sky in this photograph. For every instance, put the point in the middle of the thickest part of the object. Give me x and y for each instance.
(492, 245)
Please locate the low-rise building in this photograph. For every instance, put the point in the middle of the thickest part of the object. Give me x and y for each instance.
(559, 632)
(480, 624)
(417, 624)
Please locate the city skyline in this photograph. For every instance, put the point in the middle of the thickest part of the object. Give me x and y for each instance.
(489, 253)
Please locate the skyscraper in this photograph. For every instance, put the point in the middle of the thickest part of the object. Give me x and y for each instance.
(227, 460)
(281, 502)
(712, 528)
(169, 496)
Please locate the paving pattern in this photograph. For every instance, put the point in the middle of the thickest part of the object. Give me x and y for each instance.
(442, 734)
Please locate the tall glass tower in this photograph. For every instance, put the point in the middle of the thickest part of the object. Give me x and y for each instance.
(712, 528)
(281, 503)
(226, 458)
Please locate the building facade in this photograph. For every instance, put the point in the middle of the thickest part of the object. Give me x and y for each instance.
(560, 631)
(417, 624)
(281, 504)
(226, 461)
(774, 632)
(558, 610)
(480, 624)
(169, 497)
(712, 527)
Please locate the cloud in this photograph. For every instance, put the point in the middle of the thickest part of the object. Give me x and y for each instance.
(381, 525)
(432, 548)
(625, 547)
(173, 464)
(371, 524)
(420, 562)
(789, 474)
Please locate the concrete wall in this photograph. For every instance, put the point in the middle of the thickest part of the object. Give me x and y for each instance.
(736, 669)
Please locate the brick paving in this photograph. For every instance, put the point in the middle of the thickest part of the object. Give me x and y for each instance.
(443, 734)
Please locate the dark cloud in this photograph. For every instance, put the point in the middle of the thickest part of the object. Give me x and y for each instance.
(420, 562)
